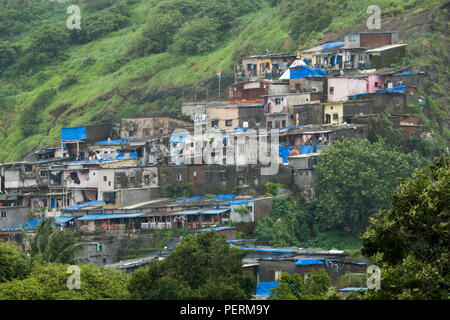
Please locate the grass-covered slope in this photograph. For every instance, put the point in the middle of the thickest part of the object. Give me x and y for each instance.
(135, 57)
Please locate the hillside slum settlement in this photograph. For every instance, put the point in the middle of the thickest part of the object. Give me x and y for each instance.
(115, 177)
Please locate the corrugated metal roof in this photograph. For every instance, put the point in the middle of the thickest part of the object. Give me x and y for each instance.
(104, 216)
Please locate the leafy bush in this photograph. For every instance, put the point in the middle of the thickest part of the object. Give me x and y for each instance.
(196, 37)
(67, 81)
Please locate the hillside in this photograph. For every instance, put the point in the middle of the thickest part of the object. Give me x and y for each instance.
(136, 57)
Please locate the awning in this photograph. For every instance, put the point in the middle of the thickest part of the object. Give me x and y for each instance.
(103, 216)
(215, 211)
(64, 219)
(191, 212)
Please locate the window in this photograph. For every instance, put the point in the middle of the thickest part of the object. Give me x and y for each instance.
(283, 123)
(376, 84)
(214, 123)
(335, 116)
(304, 115)
(229, 123)
(298, 87)
(131, 180)
(352, 38)
(207, 174)
(3, 214)
(109, 197)
(331, 90)
(179, 177)
(397, 101)
(224, 175)
(104, 178)
(161, 130)
(269, 124)
(28, 168)
(43, 173)
(277, 100)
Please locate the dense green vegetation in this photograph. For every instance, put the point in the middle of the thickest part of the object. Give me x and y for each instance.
(410, 241)
(134, 57)
(356, 180)
(201, 267)
(293, 287)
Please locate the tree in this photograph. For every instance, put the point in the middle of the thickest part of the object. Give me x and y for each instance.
(52, 245)
(13, 264)
(201, 267)
(197, 36)
(316, 287)
(48, 281)
(410, 241)
(357, 179)
(8, 54)
(47, 44)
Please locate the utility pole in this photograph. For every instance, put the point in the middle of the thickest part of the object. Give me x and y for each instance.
(218, 75)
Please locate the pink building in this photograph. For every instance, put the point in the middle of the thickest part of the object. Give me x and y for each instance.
(339, 89)
(375, 82)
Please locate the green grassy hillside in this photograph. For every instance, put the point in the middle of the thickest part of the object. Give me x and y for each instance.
(136, 57)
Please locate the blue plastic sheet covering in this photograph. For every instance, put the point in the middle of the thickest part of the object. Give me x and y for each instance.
(307, 262)
(401, 89)
(188, 199)
(267, 250)
(64, 219)
(306, 149)
(190, 212)
(230, 202)
(351, 289)
(215, 211)
(407, 73)
(130, 155)
(284, 153)
(117, 141)
(356, 96)
(83, 205)
(331, 45)
(217, 229)
(264, 288)
(73, 134)
(31, 224)
(303, 72)
(104, 216)
(224, 197)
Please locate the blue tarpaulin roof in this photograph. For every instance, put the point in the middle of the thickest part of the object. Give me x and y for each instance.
(351, 289)
(224, 197)
(217, 229)
(267, 250)
(31, 224)
(188, 199)
(303, 72)
(83, 205)
(131, 155)
(215, 211)
(64, 219)
(104, 216)
(408, 73)
(236, 202)
(190, 212)
(307, 262)
(264, 288)
(73, 134)
(331, 45)
(401, 89)
(117, 141)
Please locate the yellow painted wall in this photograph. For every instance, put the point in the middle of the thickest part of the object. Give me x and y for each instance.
(334, 108)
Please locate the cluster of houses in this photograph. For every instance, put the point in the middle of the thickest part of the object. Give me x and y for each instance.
(116, 175)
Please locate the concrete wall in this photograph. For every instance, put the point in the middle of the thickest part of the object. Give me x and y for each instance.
(252, 116)
(128, 197)
(333, 113)
(304, 114)
(15, 216)
(222, 114)
(141, 128)
(268, 268)
(96, 132)
(339, 89)
(373, 80)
